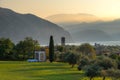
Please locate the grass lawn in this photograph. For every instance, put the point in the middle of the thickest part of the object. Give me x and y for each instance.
(16, 70)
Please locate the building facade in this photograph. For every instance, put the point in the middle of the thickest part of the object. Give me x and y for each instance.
(40, 56)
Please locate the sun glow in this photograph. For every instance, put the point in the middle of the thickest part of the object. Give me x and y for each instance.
(44, 8)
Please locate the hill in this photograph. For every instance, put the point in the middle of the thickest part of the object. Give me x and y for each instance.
(17, 26)
(88, 27)
(69, 19)
(96, 31)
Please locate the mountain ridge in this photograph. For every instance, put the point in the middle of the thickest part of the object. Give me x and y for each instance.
(17, 26)
(96, 31)
(61, 19)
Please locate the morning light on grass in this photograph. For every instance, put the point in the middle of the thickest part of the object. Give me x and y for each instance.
(10, 70)
(21, 70)
(59, 39)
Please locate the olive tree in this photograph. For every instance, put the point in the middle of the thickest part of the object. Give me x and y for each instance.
(71, 58)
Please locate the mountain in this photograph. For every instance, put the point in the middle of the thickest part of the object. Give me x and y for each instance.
(17, 26)
(88, 27)
(91, 35)
(96, 31)
(69, 19)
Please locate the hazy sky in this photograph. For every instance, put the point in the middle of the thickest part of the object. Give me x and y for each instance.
(44, 8)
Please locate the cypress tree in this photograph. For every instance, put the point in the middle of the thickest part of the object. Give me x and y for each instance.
(51, 49)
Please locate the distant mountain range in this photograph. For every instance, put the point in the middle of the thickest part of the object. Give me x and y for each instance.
(96, 31)
(17, 26)
(82, 27)
(69, 19)
(88, 27)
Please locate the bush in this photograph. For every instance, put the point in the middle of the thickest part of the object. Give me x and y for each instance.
(71, 59)
(93, 71)
(83, 62)
(113, 56)
(118, 65)
(88, 50)
(115, 74)
(106, 63)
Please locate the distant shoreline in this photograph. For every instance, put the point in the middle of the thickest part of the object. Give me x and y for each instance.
(106, 43)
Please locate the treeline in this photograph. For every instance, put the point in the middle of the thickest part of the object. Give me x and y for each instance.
(23, 50)
(95, 61)
(92, 63)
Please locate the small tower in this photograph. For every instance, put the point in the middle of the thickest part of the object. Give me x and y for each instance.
(63, 41)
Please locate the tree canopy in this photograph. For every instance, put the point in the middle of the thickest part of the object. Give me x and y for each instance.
(51, 49)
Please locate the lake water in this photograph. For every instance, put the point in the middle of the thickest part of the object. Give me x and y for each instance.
(110, 43)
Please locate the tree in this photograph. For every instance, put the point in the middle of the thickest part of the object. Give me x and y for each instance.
(60, 48)
(113, 73)
(83, 62)
(104, 74)
(93, 71)
(118, 62)
(113, 56)
(106, 63)
(26, 47)
(71, 59)
(6, 47)
(88, 50)
(51, 49)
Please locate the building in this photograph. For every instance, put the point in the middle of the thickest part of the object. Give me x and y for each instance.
(63, 41)
(40, 56)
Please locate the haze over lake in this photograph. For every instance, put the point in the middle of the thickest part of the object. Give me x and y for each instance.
(79, 21)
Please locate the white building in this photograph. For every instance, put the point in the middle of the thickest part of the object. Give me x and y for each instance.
(40, 56)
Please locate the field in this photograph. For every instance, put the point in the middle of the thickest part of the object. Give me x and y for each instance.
(15, 70)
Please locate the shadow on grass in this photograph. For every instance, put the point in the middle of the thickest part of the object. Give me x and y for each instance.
(46, 64)
(42, 68)
(60, 76)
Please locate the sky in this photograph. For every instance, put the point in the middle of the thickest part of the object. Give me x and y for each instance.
(44, 8)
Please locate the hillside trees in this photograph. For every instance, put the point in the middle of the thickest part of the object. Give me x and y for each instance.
(106, 64)
(88, 50)
(102, 66)
(26, 48)
(6, 48)
(71, 58)
(83, 62)
(93, 71)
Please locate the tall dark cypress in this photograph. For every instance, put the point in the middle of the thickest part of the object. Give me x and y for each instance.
(51, 49)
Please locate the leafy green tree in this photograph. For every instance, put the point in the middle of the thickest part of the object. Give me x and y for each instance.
(51, 49)
(87, 49)
(118, 62)
(6, 47)
(104, 74)
(107, 63)
(119, 65)
(26, 48)
(62, 56)
(59, 48)
(93, 71)
(114, 56)
(83, 62)
(71, 59)
(114, 74)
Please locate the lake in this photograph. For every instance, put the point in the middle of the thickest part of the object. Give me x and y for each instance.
(110, 43)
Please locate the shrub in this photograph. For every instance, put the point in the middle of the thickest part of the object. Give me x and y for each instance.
(93, 71)
(71, 59)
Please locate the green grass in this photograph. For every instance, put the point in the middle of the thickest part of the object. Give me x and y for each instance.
(15, 70)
